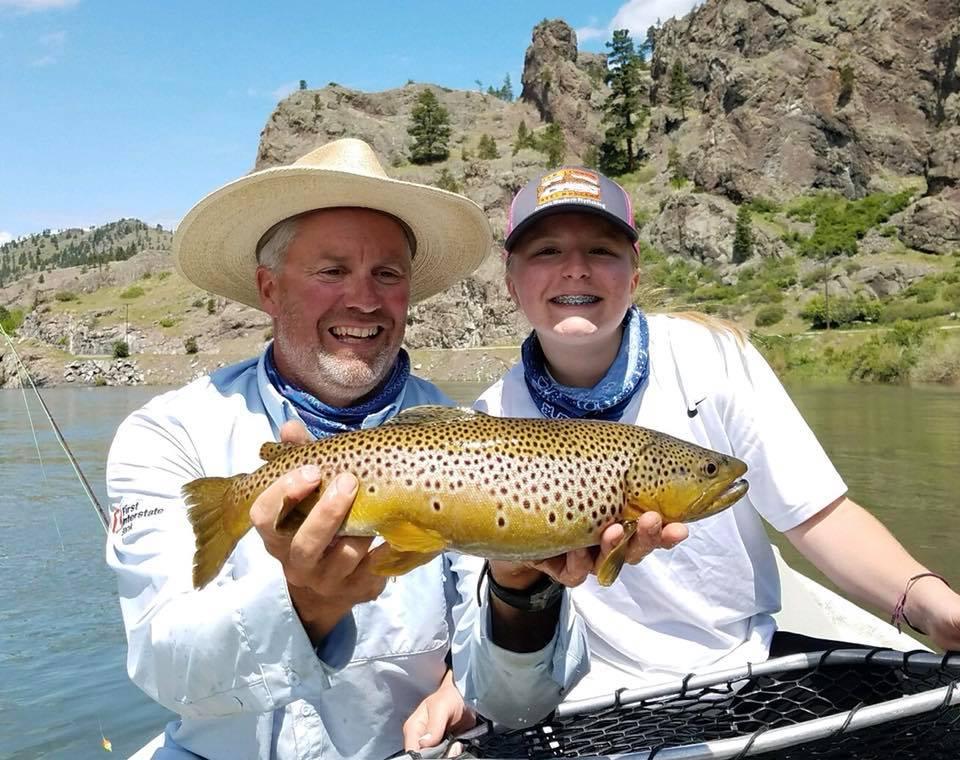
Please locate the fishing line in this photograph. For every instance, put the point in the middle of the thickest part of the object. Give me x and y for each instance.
(36, 445)
(101, 513)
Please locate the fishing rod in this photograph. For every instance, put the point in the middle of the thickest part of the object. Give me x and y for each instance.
(22, 368)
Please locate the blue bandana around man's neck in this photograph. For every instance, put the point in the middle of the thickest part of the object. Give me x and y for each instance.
(609, 397)
(323, 420)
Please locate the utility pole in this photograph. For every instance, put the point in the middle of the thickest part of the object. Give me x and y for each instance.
(826, 290)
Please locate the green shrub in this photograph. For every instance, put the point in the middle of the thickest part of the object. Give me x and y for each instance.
(941, 366)
(134, 291)
(190, 345)
(10, 320)
(769, 315)
(168, 322)
(842, 311)
(121, 349)
(446, 181)
(951, 294)
(163, 275)
(924, 290)
(65, 295)
(714, 292)
(840, 223)
(781, 272)
(910, 310)
(197, 303)
(763, 206)
(881, 362)
(211, 305)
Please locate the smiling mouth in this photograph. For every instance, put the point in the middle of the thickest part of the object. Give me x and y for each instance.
(350, 334)
(574, 300)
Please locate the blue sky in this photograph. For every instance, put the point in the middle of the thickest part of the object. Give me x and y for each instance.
(113, 109)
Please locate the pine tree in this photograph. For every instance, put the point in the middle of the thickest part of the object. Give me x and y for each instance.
(623, 110)
(303, 84)
(430, 130)
(680, 89)
(846, 84)
(743, 236)
(524, 138)
(678, 177)
(553, 145)
(446, 181)
(506, 90)
(487, 149)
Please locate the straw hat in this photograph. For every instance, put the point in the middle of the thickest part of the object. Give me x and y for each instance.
(215, 243)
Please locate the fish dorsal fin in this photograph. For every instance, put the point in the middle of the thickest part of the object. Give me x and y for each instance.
(427, 414)
(272, 450)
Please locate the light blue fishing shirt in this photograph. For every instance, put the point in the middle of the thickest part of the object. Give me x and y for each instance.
(233, 659)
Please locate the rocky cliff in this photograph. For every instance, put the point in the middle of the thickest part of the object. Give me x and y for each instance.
(788, 97)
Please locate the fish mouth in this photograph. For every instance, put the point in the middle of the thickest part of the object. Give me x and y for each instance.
(711, 503)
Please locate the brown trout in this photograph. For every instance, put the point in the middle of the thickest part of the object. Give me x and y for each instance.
(435, 478)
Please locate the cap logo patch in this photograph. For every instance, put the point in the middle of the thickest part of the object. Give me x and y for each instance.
(566, 185)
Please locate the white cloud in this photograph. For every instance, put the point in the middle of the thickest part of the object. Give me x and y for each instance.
(640, 15)
(283, 90)
(52, 46)
(585, 33)
(5, 237)
(637, 16)
(29, 6)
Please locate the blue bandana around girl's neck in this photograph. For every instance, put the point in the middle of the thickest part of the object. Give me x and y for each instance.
(609, 397)
(323, 420)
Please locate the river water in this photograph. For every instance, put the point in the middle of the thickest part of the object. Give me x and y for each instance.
(62, 648)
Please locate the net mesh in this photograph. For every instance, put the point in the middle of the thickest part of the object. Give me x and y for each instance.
(751, 705)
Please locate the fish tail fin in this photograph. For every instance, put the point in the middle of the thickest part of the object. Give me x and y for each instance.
(218, 518)
(612, 564)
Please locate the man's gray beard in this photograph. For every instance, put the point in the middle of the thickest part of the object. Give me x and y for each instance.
(353, 375)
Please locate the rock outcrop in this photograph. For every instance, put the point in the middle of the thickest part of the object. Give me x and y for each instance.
(565, 85)
(792, 95)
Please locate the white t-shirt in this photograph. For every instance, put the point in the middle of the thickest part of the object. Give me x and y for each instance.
(707, 603)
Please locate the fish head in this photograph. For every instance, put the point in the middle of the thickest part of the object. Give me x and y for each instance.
(685, 482)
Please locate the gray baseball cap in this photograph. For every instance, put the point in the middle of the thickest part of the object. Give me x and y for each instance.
(565, 190)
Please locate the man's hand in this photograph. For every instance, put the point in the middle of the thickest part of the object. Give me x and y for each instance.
(326, 574)
(443, 712)
(571, 569)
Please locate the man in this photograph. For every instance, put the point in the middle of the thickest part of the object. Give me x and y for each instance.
(296, 649)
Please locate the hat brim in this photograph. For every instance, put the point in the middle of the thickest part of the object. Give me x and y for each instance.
(568, 208)
(215, 243)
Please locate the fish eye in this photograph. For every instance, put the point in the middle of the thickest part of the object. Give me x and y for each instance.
(709, 468)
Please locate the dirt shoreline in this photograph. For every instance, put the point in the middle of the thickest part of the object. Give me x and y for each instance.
(478, 365)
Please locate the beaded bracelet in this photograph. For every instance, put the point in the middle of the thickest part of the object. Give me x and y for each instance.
(899, 615)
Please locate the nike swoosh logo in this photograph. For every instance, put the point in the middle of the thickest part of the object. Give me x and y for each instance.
(693, 412)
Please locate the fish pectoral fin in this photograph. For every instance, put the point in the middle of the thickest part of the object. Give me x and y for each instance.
(612, 564)
(388, 561)
(405, 536)
(428, 413)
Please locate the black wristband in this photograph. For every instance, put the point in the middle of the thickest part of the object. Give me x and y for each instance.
(542, 595)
